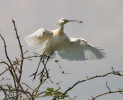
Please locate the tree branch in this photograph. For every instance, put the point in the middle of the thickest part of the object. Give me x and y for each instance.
(90, 78)
(109, 92)
(20, 46)
(13, 75)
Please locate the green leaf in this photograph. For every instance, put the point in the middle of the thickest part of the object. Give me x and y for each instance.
(47, 94)
(50, 89)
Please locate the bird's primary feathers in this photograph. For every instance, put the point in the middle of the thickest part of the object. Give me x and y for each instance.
(68, 48)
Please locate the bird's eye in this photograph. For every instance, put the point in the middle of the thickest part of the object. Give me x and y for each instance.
(62, 19)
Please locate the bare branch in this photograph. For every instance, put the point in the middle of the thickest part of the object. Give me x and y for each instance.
(6, 50)
(5, 71)
(20, 46)
(14, 76)
(37, 88)
(27, 86)
(90, 78)
(108, 87)
(109, 92)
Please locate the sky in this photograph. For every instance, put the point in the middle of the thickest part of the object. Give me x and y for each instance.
(102, 27)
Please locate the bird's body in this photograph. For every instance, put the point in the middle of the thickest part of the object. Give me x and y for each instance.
(67, 48)
(52, 44)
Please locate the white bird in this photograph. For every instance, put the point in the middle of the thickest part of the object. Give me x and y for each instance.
(68, 48)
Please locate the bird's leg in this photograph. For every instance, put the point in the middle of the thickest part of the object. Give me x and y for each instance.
(37, 67)
(42, 74)
(46, 64)
(48, 58)
(43, 68)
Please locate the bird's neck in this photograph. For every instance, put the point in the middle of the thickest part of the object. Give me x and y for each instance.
(61, 28)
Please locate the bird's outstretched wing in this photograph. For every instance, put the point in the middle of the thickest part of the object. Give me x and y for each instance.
(39, 37)
(79, 49)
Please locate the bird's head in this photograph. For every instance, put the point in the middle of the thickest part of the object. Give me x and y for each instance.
(63, 21)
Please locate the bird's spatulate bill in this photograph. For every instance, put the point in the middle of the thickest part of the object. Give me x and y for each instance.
(75, 21)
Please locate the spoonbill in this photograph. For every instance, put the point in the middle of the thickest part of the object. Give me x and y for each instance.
(68, 48)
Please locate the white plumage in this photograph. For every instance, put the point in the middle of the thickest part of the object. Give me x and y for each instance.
(67, 48)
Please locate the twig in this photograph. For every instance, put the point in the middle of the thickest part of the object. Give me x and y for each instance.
(5, 71)
(60, 67)
(37, 88)
(59, 89)
(15, 90)
(27, 86)
(109, 92)
(13, 75)
(20, 46)
(108, 87)
(37, 68)
(90, 78)
(6, 50)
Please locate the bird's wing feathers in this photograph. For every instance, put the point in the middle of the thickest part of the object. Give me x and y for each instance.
(39, 37)
(79, 49)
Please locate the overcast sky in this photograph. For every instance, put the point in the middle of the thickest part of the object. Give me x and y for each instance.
(102, 27)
